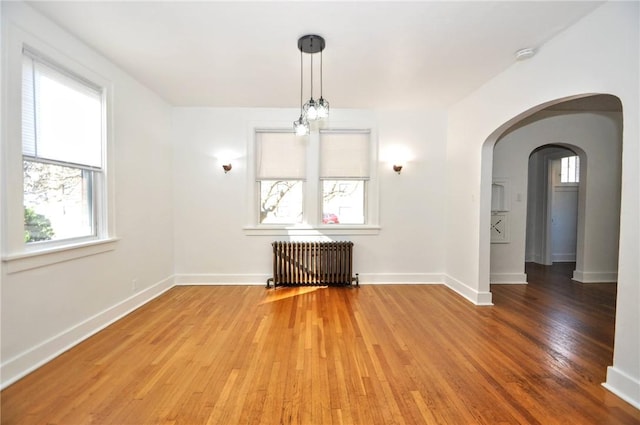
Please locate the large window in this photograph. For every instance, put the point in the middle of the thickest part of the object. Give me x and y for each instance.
(319, 180)
(62, 152)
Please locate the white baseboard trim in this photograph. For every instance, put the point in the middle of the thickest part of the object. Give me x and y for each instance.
(478, 298)
(28, 361)
(508, 278)
(401, 278)
(563, 258)
(594, 277)
(623, 385)
(220, 279)
(261, 279)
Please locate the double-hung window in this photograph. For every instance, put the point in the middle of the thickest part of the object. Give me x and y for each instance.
(280, 175)
(321, 182)
(344, 172)
(62, 151)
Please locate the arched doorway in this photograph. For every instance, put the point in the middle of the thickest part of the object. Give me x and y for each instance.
(553, 204)
(591, 127)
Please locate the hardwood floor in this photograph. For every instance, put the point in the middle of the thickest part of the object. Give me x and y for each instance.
(387, 354)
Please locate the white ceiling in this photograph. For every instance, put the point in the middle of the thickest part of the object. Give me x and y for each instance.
(378, 55)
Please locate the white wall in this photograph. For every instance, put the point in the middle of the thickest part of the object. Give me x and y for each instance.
(47, 309)
(211, 207)
(599, 137)
(599, 54)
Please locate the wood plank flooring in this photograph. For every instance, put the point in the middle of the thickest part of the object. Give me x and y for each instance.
(380, 354)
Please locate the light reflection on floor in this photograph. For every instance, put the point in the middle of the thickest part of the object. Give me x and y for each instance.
(286, 292)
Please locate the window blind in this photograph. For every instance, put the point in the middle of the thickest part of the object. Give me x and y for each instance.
(280, 155)
(61, 115)
(344, 155)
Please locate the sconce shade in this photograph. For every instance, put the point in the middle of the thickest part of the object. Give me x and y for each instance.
(397, 168)
(226, 168)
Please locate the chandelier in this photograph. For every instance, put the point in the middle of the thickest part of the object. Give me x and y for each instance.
(312, 110)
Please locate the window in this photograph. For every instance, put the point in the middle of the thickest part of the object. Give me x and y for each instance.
(570, 169)
(344, 171)
(321, 180)
(62, 152)
(280, 174)
(343, 202)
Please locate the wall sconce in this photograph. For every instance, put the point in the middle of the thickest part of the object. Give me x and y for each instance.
(226, 168)
(396, 156)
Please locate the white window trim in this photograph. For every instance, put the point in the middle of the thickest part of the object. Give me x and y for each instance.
(312, 225)
(16, 254)
(57, 254)
(307, 230)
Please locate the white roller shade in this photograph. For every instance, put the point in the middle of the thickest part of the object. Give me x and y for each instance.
(61, 115)
(344, 155)
(280, 155)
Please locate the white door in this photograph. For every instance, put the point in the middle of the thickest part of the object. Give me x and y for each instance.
(564, 218)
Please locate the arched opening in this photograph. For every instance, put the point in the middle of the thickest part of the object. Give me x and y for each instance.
(553, 204)
(590, 127)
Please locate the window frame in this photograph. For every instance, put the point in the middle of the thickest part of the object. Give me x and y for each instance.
(576, 174)
(312, 188)
(289, 175)
(361, 178)
(16, 254)
(95, 168)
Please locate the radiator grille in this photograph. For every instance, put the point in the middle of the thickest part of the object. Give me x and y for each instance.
(312, 263)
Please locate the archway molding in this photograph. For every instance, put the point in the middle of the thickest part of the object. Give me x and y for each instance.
(486, 178)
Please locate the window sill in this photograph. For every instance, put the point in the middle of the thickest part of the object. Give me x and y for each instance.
(58, 254)
(328, 230)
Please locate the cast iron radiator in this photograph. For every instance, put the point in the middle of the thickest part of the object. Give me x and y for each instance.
(312, 263)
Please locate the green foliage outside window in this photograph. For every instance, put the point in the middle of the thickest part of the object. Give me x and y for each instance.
(37, 227)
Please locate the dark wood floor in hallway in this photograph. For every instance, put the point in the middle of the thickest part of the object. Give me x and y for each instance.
(380, 354)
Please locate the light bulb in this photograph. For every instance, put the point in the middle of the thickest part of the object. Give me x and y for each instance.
(301, 126)
(310, 110)
(322, 108)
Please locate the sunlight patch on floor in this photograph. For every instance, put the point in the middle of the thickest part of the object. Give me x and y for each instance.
(283, 293)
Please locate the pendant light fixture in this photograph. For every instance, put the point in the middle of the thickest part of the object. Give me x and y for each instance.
(312, 110)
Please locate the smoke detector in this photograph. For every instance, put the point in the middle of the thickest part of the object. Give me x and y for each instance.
(524, 54)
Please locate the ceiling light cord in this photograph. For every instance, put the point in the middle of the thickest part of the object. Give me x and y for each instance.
(320, 75)
(311, 77)
(301, 82)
